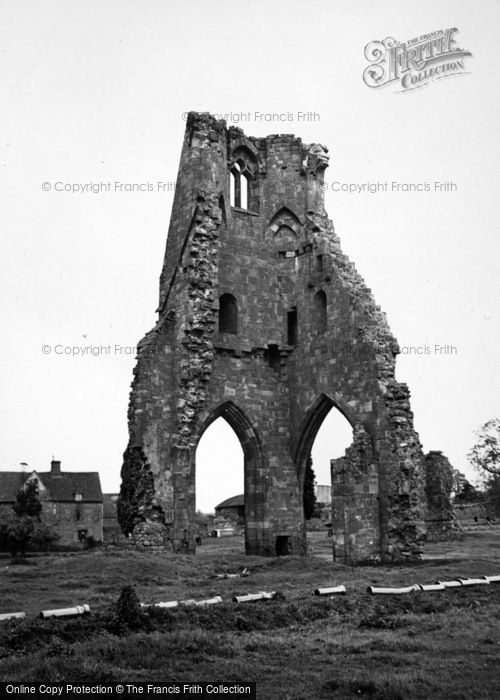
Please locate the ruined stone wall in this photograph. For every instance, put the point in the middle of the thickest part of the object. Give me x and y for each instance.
(438, 486)
(309, 337)
(355, 502)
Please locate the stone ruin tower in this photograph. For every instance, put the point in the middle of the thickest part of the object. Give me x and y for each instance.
(265, 322)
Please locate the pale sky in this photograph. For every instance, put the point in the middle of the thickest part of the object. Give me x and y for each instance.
(96, 91)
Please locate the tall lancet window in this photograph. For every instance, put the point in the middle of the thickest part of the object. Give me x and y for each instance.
(239, 185)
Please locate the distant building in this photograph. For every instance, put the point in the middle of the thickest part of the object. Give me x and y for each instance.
(229, 516)
(72, 502)
(323, 494)
(323, 501)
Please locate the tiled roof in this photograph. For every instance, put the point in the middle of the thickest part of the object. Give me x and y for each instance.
(10, 483)
(59, 487)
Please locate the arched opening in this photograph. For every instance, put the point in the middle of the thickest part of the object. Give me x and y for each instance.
(220, 484)
(245, 191)
(342, 452)
(232, 447)
(240, 185)
(325, 436)
(332, 439)
(320, 317)
(228, 314)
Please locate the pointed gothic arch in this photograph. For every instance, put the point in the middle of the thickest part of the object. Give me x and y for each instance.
(309, 427)
(253, 462)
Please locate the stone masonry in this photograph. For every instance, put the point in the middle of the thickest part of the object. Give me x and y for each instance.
(265, 322)
(438, 487)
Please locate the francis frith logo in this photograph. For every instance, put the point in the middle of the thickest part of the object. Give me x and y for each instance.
(414, 63)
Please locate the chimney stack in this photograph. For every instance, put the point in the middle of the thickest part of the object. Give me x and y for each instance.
(55, 467)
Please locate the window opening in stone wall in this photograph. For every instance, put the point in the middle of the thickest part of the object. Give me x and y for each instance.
(239, 186)
(232, 187)
(222, 207)
(319, 263)
(292, 334)
(228, 314)
(244, 190)
(273, 357)
(320, 318)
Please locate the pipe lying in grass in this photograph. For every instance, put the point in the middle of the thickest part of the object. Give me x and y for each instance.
(66, 612)
(253, 596)
(432, 586)
(166, 604)
(330, 591)
(209, 601)
(393, 591)
(492, 579)
(450, 584)
(12, 616)
(472, 581)
(243, 573)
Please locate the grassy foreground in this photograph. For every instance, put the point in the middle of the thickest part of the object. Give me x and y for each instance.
(440, 645)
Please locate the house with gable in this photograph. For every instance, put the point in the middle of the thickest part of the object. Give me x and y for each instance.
(72, 502)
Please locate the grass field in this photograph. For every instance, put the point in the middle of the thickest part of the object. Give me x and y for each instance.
(440, 645)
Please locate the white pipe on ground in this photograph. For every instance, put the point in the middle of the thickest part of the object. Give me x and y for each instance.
(330, 591)
(252, 596)
(209, 601)
(472, 581)
(66, 612)
(492, 579)
(393, 591)
(166, 604)
(12, 616)
(432, 586)
(450, 584)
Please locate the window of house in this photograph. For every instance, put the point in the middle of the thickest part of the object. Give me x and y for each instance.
(82, 534)
(228, 314)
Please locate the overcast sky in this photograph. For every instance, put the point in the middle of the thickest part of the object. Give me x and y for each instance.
(96, 92)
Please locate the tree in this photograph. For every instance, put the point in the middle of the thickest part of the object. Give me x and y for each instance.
(309, 493)
(44, 536)
(28, 501)
(493, 492)
(463, 490)
(485, 455)
(23, 526)
(15, 533)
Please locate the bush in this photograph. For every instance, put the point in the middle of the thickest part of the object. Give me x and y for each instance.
(128, 609)
(18, 533)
